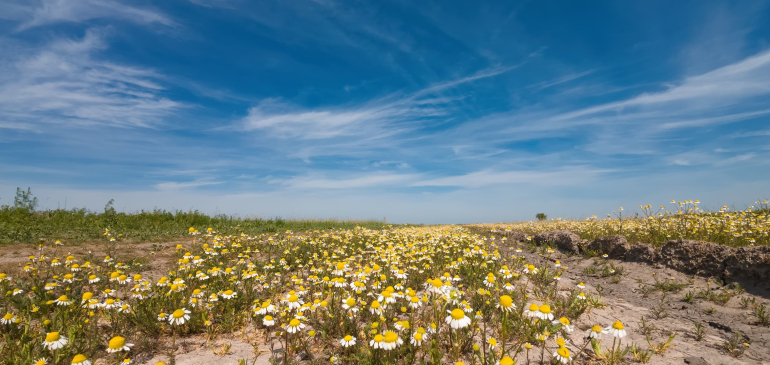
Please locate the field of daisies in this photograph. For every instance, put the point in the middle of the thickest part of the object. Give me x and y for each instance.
(360, 296)
(403, 295)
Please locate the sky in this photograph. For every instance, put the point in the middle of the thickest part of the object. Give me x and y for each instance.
(408, 111)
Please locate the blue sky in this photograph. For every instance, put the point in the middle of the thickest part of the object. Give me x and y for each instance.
(430, 111)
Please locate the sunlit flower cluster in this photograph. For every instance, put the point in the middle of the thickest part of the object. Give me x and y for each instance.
(682, 219)
(440, 294)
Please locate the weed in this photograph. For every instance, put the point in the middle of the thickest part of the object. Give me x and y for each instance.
(660, 311)
(747, 302)
(719, 297)
(700, 332)
(669, 285)
(642, 356)
(688, 297)
(658, 348)
(735, 345)
(737, 288)
(763, 318)
(646, 328)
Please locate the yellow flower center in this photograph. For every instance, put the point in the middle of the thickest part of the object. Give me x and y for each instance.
(78, 359)
(178, 313)
(534, 308)
(110, 301)
(348, 338)
(545, 308)
(268, 318)
(564, 321)
(293, 298)
(437, 283)
(458, 314)
(391, 337)
(117, 342)
(506, 301)
(51, 337)
(378, 338)
(418, 336)
(597, 328)
(493, 342)
(63, 298)
(375, 304)
(294, 323)
(506, 360)
(8, 316)
(350, 302)
(563, 352)
(617, 325)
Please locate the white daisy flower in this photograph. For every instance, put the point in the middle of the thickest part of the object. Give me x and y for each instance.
(616, 330)
(179, 317)
(457, 319)
(348, 341)
(54, 341)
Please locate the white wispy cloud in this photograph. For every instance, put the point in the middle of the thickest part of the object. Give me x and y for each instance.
(566, 176)
(175, 185)
(745, 79)
(47, 12)
(384, 116)
(704, 158)
(561, 80)
(760, 133)
(313, 182)
(65, 83)
(472, 180)
(701, 122)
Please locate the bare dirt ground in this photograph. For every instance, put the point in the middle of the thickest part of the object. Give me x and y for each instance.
(667, 312)
(628, 299)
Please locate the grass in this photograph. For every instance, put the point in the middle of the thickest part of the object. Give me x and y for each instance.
(20, 225)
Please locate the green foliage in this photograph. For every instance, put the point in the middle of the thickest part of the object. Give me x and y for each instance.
(763, 318)
(22, 223)
(541, 216)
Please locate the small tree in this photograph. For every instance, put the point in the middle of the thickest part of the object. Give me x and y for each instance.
(24, 200)
(541, 216)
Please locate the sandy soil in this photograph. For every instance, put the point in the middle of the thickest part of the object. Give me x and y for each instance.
(626, 301)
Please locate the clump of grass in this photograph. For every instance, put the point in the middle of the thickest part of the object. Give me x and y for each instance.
(763, 317)
(720, 297)
(669, 285)
(700, 332)
(735, 345)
